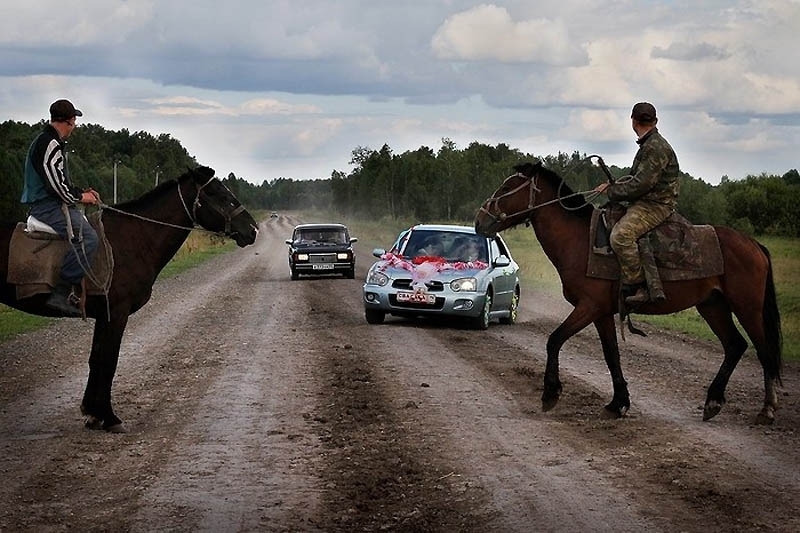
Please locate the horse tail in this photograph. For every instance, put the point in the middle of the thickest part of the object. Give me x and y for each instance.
(772, 324)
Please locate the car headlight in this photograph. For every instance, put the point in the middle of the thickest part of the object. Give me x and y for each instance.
(342, 256)
(302, 257)
(464, 285)
(376, 277)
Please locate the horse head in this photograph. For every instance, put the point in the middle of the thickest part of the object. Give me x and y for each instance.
(215, 208)
(511, 204)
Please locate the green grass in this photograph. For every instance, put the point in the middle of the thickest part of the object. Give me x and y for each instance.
(13, 322)
(199, 247)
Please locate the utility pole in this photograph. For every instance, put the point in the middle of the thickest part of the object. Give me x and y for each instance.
(157, 169)
(115, 180)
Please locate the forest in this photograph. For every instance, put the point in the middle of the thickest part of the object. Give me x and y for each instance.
(446, 184)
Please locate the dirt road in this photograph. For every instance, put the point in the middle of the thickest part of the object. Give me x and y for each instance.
(257, 403)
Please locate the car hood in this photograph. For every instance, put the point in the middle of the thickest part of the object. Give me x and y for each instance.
(396, 266)
(323, 247)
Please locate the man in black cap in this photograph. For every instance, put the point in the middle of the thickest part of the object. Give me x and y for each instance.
(651, 192)
(52, 197)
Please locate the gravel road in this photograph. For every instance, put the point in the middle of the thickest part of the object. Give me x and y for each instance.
(257, 403)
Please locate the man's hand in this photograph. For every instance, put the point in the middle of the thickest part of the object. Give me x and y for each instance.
(90, 197)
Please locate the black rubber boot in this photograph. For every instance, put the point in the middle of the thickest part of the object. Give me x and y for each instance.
(636, 294)
(59, 301)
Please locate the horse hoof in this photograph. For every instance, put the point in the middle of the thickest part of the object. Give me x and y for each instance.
(766, 417)
(549, 404)
(92, 422)
(711, 410)
(610, 412)
(117, 428)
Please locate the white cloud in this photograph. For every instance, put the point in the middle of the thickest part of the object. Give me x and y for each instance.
(285, 88)
(488, 33)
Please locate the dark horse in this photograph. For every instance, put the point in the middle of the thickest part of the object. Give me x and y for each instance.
(561, 221)
(144, 234)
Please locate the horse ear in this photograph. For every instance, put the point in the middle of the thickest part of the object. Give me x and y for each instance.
(527, 168)
(203, 173)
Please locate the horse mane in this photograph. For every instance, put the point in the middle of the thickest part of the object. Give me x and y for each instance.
(147, 198)
(575, 203)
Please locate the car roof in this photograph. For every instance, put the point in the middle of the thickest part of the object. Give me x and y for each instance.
(444, 227)
(320, 226)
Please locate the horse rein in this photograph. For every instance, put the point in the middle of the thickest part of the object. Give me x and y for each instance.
(227, 215)
(530, 181)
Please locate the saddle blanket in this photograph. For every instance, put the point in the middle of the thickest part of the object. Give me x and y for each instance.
(681, 251)
(34, 262)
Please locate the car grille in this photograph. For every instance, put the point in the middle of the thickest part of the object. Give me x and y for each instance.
(405, 285)
(322, 258)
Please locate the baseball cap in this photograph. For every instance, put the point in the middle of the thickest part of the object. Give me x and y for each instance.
(643, 112)
(63, 110)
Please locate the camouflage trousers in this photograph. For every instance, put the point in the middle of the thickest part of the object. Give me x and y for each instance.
(638, 219)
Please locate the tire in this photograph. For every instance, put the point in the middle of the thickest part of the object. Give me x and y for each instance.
(482, 321)
(295, 276)
(512, 309)
(373, 316)
(351, 274)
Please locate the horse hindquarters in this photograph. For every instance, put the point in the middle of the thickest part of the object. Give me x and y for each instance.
(749, 288)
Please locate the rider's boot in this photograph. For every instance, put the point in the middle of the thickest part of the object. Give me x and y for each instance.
(636, 294)
(59, 300)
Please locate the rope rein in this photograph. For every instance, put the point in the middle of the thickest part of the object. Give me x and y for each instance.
(191, 214)
(530, 181)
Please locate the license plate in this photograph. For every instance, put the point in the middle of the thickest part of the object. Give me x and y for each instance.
(322, 266)
(416, 297)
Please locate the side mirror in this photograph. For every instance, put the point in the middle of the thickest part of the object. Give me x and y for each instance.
(378, 252)
(288, 241)
(353, 239)
(502, 261)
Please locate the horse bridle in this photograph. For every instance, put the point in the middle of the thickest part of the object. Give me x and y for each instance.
(530, 182)
(227, 214)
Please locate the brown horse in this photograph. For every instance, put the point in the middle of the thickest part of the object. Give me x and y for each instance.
(144, 235)
(561, 221)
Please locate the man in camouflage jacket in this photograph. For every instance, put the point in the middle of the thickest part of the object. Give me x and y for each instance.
(651, 192)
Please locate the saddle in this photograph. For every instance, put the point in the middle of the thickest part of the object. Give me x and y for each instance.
(36, 252)
(675, 250)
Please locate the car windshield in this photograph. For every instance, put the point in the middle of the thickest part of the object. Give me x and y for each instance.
(450, 245)
(322, 236)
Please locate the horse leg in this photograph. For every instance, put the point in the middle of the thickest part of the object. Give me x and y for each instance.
(621, 401)
(754, 325)
(579, 318)
(717, 313)
(96, 404)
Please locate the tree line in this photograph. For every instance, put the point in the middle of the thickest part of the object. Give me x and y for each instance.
(423, 185)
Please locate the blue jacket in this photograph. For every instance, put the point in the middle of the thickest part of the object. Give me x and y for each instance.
(45, 171)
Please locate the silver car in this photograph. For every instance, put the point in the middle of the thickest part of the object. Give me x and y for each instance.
(443, 270)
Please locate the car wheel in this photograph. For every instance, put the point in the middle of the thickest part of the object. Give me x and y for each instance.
(512, 309)
(351, 273)
(482, 321)
(294, 274)
(373, 316)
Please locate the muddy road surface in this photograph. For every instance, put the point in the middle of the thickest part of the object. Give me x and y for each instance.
(257, 403)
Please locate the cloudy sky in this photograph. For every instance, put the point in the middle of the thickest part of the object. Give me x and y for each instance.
(273, 88)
